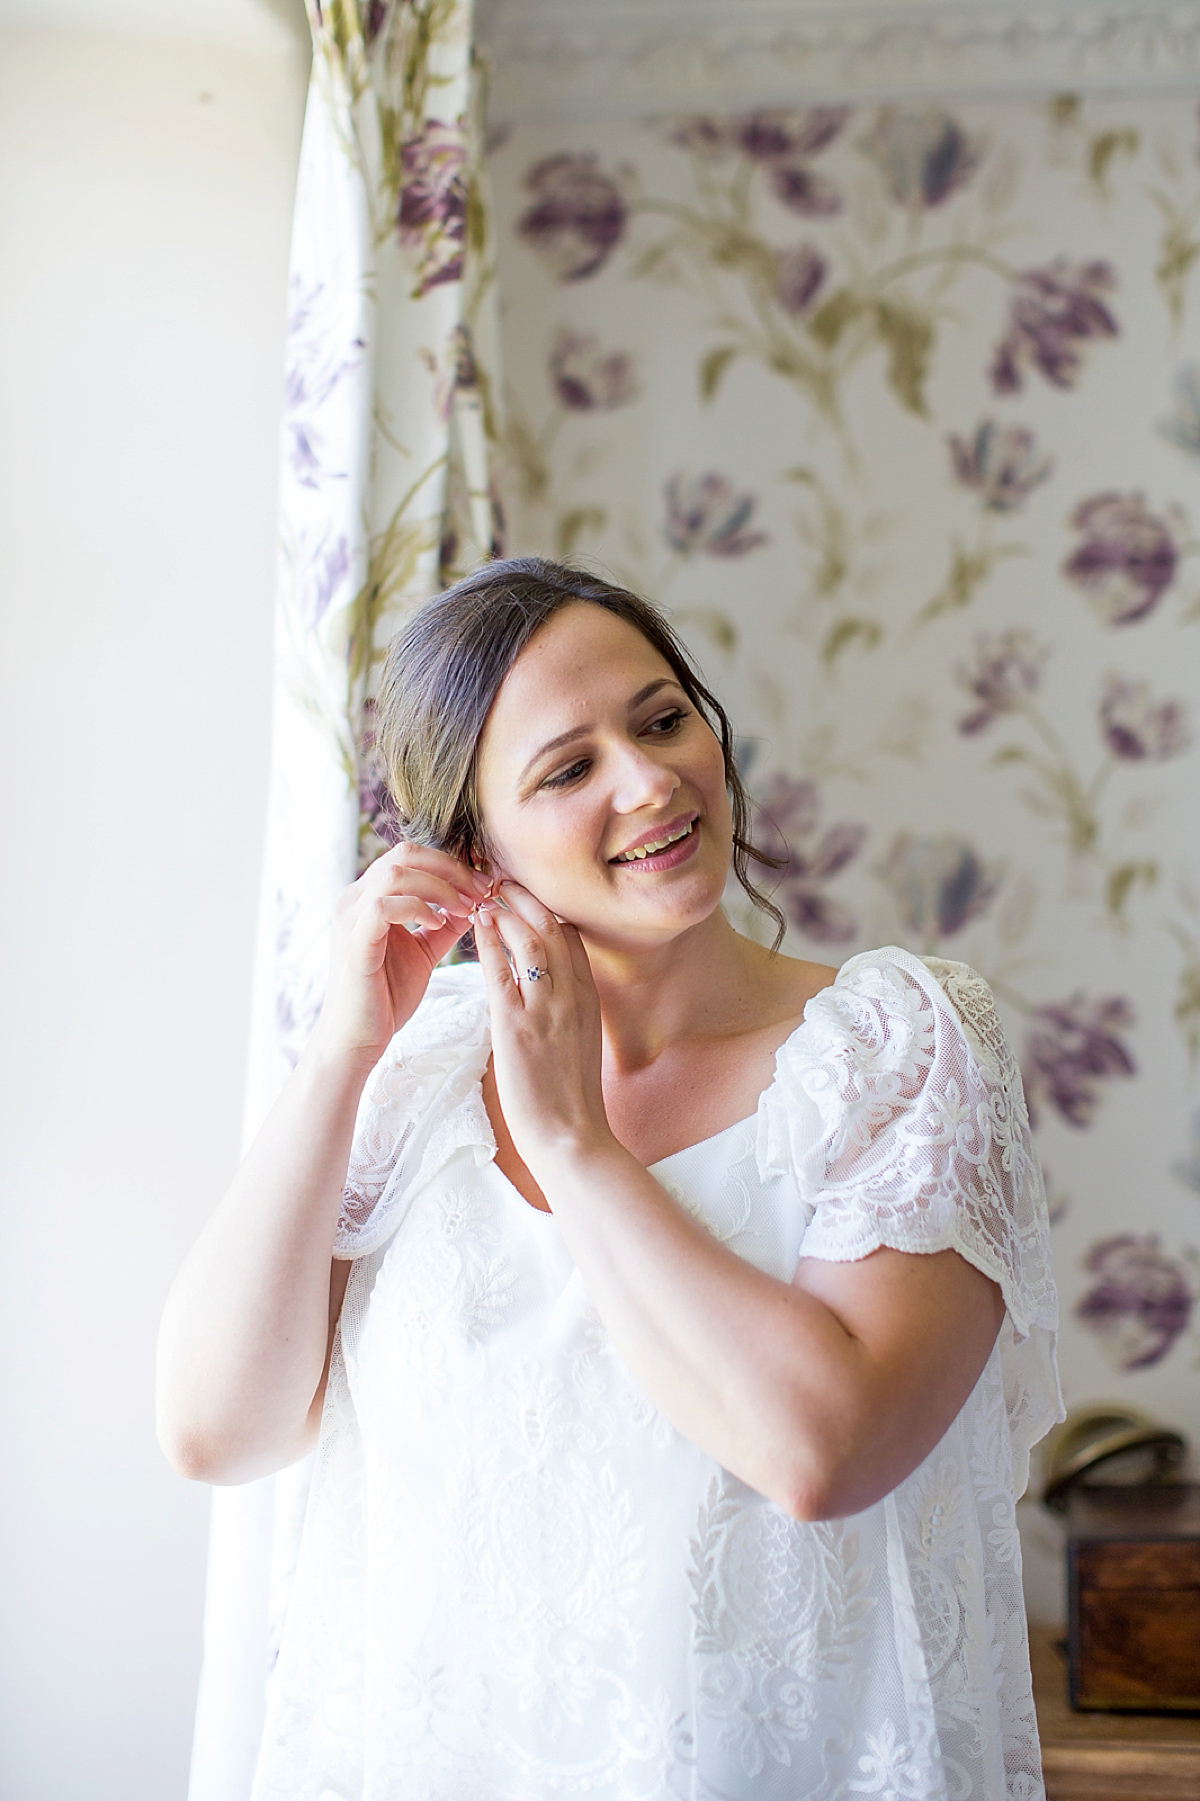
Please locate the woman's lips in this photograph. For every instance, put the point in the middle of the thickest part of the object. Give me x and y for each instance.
(676, 853)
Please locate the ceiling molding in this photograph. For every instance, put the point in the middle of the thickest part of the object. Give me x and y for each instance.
(563, 59)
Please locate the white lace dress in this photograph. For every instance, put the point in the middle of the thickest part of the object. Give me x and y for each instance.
(518, 1581)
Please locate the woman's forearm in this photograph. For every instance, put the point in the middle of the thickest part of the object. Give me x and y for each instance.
(822, 1401)
(750, 1368)
(242, 1348)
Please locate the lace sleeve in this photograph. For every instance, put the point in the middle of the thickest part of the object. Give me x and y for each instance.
(919, 1140)
(431, 1067)
(926, 1142)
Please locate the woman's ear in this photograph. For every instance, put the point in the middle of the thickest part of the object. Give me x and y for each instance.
(483, 864)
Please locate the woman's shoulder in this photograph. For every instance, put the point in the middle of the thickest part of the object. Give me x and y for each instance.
(891, 997)
(889, 1033)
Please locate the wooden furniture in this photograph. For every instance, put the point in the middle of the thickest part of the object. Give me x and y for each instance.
(1108, 1756)
(1133, 1597)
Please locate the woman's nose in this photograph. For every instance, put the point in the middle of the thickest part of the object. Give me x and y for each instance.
(642, 781)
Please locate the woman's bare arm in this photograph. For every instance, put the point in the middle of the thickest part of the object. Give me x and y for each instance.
(823, 1393)
(247, 1329)
(243, 1346)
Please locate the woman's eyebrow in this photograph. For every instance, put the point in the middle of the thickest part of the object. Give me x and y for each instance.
(581, 731)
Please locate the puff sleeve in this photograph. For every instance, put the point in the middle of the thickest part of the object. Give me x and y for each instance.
(900, 1109)
(421, 1104)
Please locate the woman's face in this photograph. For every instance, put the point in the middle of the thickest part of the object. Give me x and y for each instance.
(592, 752)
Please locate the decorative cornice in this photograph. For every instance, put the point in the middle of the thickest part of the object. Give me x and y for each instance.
(560, 59)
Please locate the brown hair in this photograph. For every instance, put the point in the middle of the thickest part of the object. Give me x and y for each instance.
(444, 669)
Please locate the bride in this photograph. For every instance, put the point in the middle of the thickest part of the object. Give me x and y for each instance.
(673, 1318)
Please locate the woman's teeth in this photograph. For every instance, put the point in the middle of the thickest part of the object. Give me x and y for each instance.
(648, 850)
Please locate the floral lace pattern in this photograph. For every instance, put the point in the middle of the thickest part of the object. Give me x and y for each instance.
(518, 1581)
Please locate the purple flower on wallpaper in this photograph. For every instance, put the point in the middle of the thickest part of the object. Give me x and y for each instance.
(1071, 1047)
(702, 135)
(1004, 671)
(432, 213)
(578, 215)
(376, 808)
(373, 23)
(588, 379)
(923, 156)
(771, 134)
(803, 191)
(1136, 727)
(1052, 311)
(707, 516)
(1001, 464)
(1139, 1302)
(786, 826)
(783, 141)
(1183, 427)
(1127, 557)
(938, 884)
(799, 276)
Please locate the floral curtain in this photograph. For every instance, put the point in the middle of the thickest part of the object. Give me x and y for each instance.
(897, 410)
(384, 496)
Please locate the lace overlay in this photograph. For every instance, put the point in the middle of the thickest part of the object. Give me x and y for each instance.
(519, 1582)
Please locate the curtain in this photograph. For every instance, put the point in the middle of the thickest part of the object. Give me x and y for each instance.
(384, 497)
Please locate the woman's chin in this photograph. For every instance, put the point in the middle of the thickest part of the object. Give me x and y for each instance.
(653, 917)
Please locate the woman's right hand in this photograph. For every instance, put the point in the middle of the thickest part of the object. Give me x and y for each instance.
(390, 929)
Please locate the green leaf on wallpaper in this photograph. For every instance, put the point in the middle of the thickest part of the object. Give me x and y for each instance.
(829, 321)
(863, 632)
(572, 526)
(713, 367)
(1187, 992)
(1065, 109)
(719, 626)
(1178, 249)
(1121, 883)
(908, 337)
(1101, 151)
(654, 260)
(968, 568)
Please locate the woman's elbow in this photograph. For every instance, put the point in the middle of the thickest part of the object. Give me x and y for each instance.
(226, 1459)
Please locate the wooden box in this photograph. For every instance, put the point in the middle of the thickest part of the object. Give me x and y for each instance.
(1133, 1591)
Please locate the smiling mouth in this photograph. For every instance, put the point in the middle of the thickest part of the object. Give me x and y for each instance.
(654, 847)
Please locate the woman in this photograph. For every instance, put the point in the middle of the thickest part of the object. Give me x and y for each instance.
(674, 1318)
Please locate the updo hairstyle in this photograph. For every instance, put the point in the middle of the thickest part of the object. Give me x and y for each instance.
(444, 669)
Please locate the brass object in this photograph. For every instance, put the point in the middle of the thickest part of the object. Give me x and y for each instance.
(1091, 1439)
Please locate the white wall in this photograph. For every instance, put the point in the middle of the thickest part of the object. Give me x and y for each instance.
(145, 201)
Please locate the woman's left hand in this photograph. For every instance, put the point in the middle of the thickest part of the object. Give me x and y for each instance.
(546, 1035)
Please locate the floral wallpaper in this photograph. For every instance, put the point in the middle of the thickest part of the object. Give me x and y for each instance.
(897, 410)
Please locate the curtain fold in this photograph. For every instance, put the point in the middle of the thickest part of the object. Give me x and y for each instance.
(385, 495)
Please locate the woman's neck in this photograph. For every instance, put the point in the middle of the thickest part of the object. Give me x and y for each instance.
(709, 982)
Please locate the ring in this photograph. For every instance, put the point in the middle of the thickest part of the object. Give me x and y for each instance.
(535, 975)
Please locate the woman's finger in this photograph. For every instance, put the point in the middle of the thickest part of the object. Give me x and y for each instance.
(408, 910)
(406, 858)
(425, 887)
(542, 924)
(530, 958)
(489, 947)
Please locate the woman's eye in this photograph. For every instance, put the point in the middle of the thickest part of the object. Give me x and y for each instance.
(565, 777)
(670, 722)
